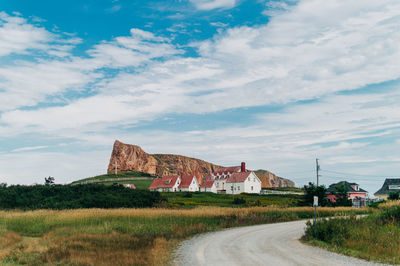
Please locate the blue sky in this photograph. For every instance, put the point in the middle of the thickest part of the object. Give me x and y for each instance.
(273, 83)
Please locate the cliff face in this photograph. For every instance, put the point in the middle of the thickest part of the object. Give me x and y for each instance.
(133, 158)
(269, 179)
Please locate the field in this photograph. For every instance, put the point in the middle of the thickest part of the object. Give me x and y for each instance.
(376, 237)
(123, 236)
(190, 200)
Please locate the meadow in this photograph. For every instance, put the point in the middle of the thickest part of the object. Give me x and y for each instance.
(376, 237)
(190, 200)
(124, 236)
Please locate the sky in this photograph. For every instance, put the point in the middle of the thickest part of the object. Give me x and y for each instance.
(276, 84)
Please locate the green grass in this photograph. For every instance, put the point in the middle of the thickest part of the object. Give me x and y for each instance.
(180, 199)
(119, 175)
(376, 237)
(292, 189)
(122, 236)
(139, 184)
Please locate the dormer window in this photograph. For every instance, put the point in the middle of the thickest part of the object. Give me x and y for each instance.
(168, 181)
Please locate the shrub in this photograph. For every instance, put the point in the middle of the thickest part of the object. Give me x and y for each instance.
(73, 197)
(238, 200)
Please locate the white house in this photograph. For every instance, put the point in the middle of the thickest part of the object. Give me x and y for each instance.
(221, 175)
(247, 182)
(189, 183)
(166, 184)
(208, 185)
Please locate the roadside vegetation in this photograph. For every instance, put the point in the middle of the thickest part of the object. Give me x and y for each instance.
(77, 196)
(376, 237)
(123, 236)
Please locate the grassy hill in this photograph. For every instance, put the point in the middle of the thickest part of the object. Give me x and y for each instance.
(139, 179)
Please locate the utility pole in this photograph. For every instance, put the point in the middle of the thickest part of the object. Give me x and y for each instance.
(317, 168)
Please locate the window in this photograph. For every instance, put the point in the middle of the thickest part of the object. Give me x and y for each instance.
(394, 186)
(238, 188)
(251, 188)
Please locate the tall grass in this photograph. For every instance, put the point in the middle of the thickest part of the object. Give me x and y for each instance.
(376, 237)
(122, 236)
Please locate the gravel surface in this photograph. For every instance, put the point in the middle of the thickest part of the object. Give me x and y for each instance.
(269, 244)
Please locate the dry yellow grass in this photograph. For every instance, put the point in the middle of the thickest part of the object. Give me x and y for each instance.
(390, 203)
(123, 236)
(66, 215)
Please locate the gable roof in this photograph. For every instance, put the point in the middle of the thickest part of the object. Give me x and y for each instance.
(384, 190)
(207, 183)
(164, 182)
(186, 180)
(238, 177)
(348, 187)
(229, 169)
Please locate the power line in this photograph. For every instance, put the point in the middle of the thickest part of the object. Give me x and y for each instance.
(353, 174)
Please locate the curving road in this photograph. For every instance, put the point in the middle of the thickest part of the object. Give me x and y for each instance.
(269, 244)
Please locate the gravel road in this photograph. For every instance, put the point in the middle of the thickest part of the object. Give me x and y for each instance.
(269, 244)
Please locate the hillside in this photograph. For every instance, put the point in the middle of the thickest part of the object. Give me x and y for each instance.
(129, 157)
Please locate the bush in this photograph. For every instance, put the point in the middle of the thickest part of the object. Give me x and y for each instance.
(187, 195)
(394, 196)
(238, 200)
(73, 197)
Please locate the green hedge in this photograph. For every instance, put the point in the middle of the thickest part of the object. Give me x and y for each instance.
(73, 197)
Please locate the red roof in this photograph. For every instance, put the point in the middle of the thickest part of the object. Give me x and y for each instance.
(229, 169)
(132, 186)
(238, 177)
(208, 183)
(186, 180)
(165, 181)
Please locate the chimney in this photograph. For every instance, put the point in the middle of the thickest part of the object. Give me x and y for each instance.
(243, 167)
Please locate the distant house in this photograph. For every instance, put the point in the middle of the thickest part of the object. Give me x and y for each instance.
(208, 185)
(232, 180)
(131, 186)
(356, 194)
(390, 185)
(189, 183)
(243, 182)
(166, 184)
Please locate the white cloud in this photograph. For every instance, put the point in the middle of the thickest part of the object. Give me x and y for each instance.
(16, 35)
(213, 4)
(29, 148)
(308, 51)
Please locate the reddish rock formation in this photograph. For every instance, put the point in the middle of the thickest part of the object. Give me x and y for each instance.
(132, 158)
(269, 179)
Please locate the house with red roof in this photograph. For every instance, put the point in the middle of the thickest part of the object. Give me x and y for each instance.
(243, 182)
(208, 185)
(189, 183)
(166, 184)
(236, 180)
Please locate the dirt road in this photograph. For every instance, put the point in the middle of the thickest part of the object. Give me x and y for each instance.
(270, 244)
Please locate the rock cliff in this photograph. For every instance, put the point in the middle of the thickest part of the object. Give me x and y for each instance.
(269, 179)
(133, 158)
(129, 157)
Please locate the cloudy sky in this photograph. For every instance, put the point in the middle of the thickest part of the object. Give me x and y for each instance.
(273, 83)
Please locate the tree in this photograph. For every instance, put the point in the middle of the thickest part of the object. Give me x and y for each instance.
(394, 196)
(312, 190)
(49, 181)
(341, 197)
